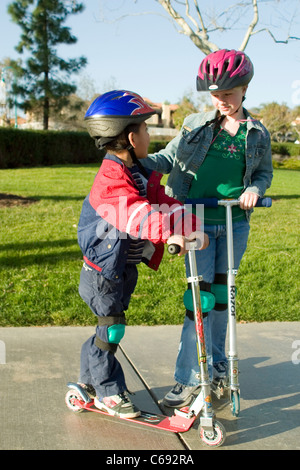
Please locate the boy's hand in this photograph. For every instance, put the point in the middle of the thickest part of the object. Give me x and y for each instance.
(183, 242)
(178, 240)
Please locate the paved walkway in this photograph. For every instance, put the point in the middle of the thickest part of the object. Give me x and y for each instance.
(36, 363)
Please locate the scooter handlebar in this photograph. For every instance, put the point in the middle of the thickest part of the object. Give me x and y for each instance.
(213, 202)
(264, 202)
(173, 249)
(207, 202)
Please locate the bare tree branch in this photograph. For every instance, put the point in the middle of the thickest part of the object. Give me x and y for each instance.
(278, 41)
(193, 24)
(250, 31)
(200, 39)
(198, 24)
(251, 27)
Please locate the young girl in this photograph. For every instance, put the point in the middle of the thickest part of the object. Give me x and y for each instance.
(119, 227)
(225, 154)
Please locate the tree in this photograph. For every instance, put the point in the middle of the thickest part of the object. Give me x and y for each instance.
(71, 116)
(296, 121)
(7, 98)
(277, 118)
(198, 25)
(44, 82)
(186, 107)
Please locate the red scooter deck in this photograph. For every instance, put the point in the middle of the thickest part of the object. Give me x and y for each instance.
(176, 423)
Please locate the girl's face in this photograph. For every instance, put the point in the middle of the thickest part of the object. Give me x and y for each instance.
(227, 102)
(140, 141)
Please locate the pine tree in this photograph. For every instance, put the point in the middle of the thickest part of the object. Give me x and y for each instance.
(44, 82)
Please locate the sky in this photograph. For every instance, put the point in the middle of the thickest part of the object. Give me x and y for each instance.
(144, 53)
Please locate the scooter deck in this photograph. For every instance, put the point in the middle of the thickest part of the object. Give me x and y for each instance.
(180, 421)
(175, 423)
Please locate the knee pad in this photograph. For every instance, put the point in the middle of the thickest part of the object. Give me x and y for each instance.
(115, 332)
(220, 291)
(207, 300)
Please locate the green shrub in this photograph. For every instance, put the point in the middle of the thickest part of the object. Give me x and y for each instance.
(286, 149)
(30, 148)
(33, 148)
(157, 145)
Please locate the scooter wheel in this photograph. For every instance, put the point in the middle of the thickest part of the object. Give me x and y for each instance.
(235, 402)
(213, 438)
(70, 398)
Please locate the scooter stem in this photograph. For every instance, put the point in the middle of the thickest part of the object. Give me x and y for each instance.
(231, 274)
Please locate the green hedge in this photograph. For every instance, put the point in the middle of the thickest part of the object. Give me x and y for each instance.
(30, 148)
(288, 149)
(156, 145)
(27, 148)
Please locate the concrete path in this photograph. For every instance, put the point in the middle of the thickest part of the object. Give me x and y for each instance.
(36, 364)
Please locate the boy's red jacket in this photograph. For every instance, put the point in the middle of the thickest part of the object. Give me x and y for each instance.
(114, 211)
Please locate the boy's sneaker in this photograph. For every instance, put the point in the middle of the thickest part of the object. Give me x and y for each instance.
(118, 405)
(180, 395)
(89, 389)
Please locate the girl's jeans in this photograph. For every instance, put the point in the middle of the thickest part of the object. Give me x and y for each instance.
(104, 297)
(210, 261)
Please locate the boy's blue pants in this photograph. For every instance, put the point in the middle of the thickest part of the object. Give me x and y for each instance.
(105, 298)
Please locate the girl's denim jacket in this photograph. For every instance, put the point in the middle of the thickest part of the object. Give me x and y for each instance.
(186, 152)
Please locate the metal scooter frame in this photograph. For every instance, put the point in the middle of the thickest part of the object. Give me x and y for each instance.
(210, 429)
(233, 370)
(203, 401)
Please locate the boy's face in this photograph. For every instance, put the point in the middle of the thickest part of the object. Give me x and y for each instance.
(228, 101)
(141, 140)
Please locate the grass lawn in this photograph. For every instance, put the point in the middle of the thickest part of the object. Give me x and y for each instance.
(40, 260)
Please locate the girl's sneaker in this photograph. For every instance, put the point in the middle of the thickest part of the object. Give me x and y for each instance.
(220, 370)
(118, 405)
(180, 395)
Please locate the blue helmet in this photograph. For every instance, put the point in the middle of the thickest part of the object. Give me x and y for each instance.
(112, 112)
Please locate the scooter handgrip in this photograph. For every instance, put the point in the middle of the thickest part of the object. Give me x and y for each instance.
(173, 249)
(264, 202)
(206, 201)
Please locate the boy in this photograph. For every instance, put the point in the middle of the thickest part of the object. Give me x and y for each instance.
(118, 228)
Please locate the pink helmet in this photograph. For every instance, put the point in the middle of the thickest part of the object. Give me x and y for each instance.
(223, 70)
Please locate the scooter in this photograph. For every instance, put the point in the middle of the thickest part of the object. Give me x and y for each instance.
(232, 382)
(211, 431)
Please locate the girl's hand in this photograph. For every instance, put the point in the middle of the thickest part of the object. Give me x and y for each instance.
(248, 200)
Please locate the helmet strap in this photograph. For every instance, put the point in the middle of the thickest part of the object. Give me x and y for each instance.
(136, 161)
(243, 99)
